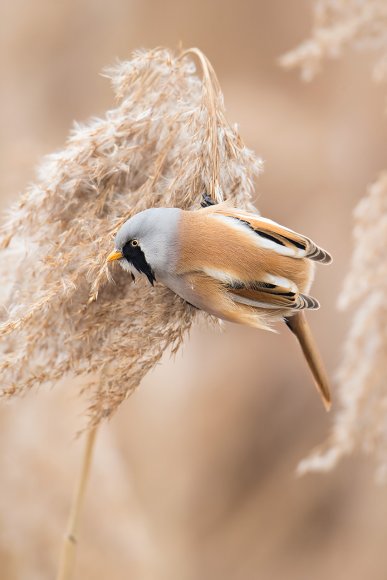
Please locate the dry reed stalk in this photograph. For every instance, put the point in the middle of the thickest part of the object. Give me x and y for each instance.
(165, 143)
(362, 376)
(39, 465)
(68, 553)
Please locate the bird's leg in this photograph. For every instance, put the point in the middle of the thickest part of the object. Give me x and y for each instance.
(207, 200)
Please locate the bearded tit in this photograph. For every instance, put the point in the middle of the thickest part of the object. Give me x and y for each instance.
(235, 265)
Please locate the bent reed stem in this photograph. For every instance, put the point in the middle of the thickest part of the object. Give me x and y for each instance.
(212, 87)
(69, 546)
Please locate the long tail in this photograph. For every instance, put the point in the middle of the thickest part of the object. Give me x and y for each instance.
(299, 326)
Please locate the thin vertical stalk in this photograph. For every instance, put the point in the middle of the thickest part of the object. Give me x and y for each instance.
(69, 547)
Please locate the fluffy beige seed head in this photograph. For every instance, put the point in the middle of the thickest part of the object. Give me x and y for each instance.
(164, 144)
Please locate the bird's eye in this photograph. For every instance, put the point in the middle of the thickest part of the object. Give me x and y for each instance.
(134, 243)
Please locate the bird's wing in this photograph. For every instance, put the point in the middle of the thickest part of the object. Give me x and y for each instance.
(272, 296)
(272, 235)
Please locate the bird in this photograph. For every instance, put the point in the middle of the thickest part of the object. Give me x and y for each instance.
(231, 263)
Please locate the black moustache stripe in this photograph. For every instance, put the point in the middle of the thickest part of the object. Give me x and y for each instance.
(135, 255)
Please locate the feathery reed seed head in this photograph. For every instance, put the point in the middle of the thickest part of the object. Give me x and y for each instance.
(165, 144)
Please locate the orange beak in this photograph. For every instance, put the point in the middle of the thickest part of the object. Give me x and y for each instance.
(114, 255)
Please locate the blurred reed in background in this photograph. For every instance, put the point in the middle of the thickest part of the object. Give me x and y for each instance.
(362, 421)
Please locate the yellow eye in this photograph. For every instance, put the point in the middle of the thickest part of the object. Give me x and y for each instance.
(134, 243)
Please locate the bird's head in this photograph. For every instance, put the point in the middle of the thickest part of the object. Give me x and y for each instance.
(147, 242)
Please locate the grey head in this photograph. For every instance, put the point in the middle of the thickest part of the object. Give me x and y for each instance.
(148, 242)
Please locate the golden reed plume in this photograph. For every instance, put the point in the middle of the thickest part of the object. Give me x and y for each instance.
(165, 143)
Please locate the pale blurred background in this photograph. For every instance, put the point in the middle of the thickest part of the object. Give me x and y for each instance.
(194, 478)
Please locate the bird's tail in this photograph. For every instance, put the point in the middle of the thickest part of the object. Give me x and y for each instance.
(299, 326)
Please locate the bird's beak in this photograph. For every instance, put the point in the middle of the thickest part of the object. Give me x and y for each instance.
(114, 255)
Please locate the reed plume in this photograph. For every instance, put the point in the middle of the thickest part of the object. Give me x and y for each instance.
(165, 144)
(362, 421)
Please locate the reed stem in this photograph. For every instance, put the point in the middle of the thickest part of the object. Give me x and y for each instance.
(69, 547)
